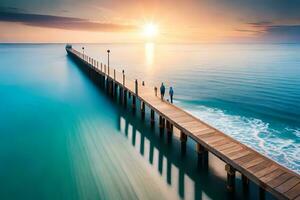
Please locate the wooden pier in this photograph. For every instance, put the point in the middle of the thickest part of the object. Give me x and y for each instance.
(253, 166)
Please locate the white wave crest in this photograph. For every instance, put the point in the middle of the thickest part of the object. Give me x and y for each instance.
(256, 134)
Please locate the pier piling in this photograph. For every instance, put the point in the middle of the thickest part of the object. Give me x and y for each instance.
(202, 156)
(152, 117)
(230, 177)
(183, 140)
(143, 110)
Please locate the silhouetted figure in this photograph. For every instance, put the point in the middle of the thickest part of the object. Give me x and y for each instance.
(143, 83)
(171, 93)
(155, 90)
(162, 91)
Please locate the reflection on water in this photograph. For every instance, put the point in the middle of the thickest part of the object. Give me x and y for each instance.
(149, 54)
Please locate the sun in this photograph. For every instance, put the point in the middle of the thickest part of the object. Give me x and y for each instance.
(150, 30)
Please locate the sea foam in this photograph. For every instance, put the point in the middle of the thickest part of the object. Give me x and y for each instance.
(254, 133)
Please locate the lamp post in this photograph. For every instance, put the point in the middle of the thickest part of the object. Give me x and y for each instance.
(83, 52)
(108, 51)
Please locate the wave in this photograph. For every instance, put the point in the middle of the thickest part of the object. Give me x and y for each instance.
(281, 145)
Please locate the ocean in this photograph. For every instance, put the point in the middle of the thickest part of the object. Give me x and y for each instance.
(63, 138)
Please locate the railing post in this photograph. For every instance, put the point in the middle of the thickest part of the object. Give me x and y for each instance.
(123, 77)
(136, 87)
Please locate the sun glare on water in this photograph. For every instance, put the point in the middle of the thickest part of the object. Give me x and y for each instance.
(150, 30)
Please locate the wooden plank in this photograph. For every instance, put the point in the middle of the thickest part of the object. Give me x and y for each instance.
(238, 155)
(233, 149)
(208, 135)
(246, 158)
(190, 123)
(272, 175)
(184, 120)
(225, 141)
(176, 115)
(253, 162)
(225, 146)
(203, 132)
(280, 179)
(289, 184)
(260, 166)
(266, 171)
(214, 138)
(293, 192)
(197, 129)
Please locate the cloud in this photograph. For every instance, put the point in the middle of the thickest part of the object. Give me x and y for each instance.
(260, 24)
(268, 31)
(249, 31)
(59, 22)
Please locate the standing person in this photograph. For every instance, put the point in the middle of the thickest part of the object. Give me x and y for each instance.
(171, 93)
(155, 90)
(162, 91)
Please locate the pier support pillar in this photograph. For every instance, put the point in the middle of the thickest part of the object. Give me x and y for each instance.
(183, 140)
(202, 156)
(121, 94)
(115, 90)
(152, 117)
(110, 88)
(143, 110)
(161, 125)
(230, 177)
(245, 182)
(133, 102)
(169, 127)
(125, 97)
(107, 84)
(262, 194)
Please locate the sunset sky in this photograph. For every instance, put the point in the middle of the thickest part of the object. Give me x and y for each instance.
(124, 21)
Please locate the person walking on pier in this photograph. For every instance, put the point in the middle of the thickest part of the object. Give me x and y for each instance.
(171, 93)
(162, 91)
(155, 90)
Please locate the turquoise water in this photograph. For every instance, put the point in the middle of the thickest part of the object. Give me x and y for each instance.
(62, 138)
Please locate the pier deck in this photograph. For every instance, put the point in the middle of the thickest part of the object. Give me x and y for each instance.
(269, 175)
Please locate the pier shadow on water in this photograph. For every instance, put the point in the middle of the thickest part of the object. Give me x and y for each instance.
(181, 172)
